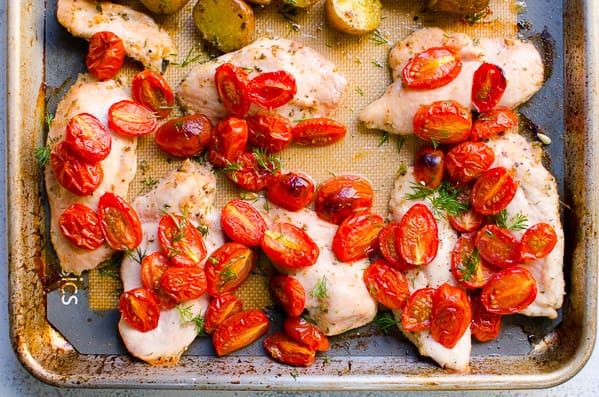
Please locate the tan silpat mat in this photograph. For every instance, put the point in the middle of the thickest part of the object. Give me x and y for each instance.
(361, 59)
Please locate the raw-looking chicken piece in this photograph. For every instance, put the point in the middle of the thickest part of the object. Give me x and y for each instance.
(143, 39)
(88, 95)
(190, 190)
(394, 111)
(320, 86)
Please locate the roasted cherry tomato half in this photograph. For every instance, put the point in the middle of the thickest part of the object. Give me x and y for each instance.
(416, 315)
(443, 122)
(153, 267)
(81, 226)
(232, 87)
(228, 267)
(304, 332)
(288, 351)
(387, 285)
(493, 191)
(509, 291)
(105, 55)
(485, 326)
(289, 294)
(185, 136)
(253, 170)
(271, 90)
(79, 177)
(319, 131)
(289, 247)
(131, 118)
(492, 122)
(340, 196)
(239, 330)
(87, 138)
(183, 283)
(242, 222)
(139, 309)
(291, 191)
(418, 236)
(488, 86)
(468, 160)
(388, 246)
(429, 166)
(219, 309)
(357, 236)
(119, 222)
(497, 246)
(271, 132)
(467, 220)
(467, 266)
(229, 141)
(180, 241)
(151, 89)
(432, 68)
(537, 241)
(450, 316)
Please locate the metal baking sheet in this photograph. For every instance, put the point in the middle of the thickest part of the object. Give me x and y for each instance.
(530, 353)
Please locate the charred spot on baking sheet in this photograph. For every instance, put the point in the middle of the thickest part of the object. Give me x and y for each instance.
(544, 42)
(530, 130)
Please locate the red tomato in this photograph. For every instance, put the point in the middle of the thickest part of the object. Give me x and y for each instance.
(81, 226)
(79, 177)
(139, 309)
(229, 141)
(492, 122)
(468, 160)
(87, 138)
(488, 86)
(416, 315)
(429, 166)
(509, 291)
(387, 285)
(253, 170)
(183, 283)
(289, 294)
(468, 220)
(231, 85)
(239, 330)
(537, 242)
(283, 348)
(443, 122)
(228, 267)
(131, 118)
(498, 246)
(105, 55)
(357, 236)
(185, 136)
(418, 236)
(242, 222)
(291, 191)
(151, 89)
(451, 315)
(319, 131)
(271, 90)
(271, 132)
(152, 268)
(306, 333)
(340, 196)
(119, 222)
(432, 68)
(493, 191)
(289, 247)
(485, 326)
(219, 309)
(466, 264)
(180, 241)
(388, 246)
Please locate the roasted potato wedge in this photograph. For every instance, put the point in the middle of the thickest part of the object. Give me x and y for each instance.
(354, 16)
(227, 24)
(164, 6)
(462, 7)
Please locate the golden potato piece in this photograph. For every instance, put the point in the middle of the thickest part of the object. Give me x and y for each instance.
(164, 6)
(226, 24)
(354, 16)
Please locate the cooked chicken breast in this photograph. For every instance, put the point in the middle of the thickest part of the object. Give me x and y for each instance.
(395, 109)
(143, 39)
(89, 96)
(320, 86)
(189, 189)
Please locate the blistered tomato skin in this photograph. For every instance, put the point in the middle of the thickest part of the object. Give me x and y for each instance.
(139, 309)
(451, 315)
(497, 246)
(509, 291)
(79, 177)
(152, 90)
(443, 122)
(229, 141)
(219, 309)
(242, 222)
(185, 136)
(271, 132)
(468, 268)
(357, 236)
(87, 138)
(468, 160)
(271, 90)
(340, 196)
(239, 330)
(418, 236)
(416, 315)
(493, 191)
(289, 247)
(228, 267)
(119, 222)
(286, 350)
(488, 86)
(180, 241)
(131, 118)
(81, 226)
(319, 131)
(432, 68)
(429, 166)
(183, 283)
(105, 56)
(288, 293)
(387, 285)
(492, 122)
(291, 191)
(306, 333)
(231, 85)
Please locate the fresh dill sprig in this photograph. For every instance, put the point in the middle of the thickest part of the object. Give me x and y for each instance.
(187, 317)
(110, 269)
(136, 255)
(268, 161)
(385, 321)
(378, 38)
(42, 154)
(476, 17)
(384, 139)
(443, 198)
(149, 182)
(470, 266)
(228, 273)
(320, 290)
(517, 222)
(190, 57)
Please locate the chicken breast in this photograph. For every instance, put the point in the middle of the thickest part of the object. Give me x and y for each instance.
(190, 189)
(395, 109)
(89, 96)
(143, 39)
(320, 86)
